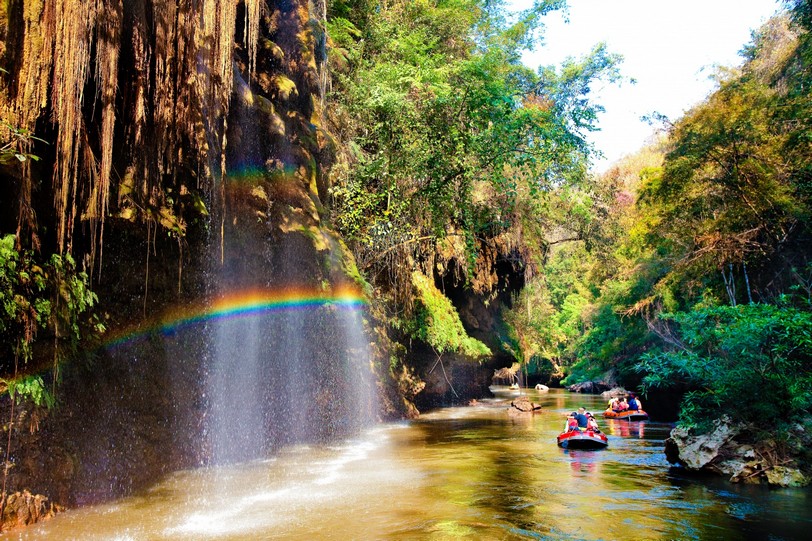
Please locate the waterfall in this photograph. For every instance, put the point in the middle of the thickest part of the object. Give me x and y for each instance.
(297, 368)
(289, 359)
(284, 372)
(236, 386)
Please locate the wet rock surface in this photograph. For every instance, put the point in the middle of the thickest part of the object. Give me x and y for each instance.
(590, 387)
(24, 508)
(728, 449)
(614, 392)
(522, 405)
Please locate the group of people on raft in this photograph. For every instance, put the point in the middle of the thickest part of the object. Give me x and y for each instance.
(581, 420)
(621, 404)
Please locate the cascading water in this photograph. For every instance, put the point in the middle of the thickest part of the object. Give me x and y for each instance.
(361, 396)
(285, 372)
(288, 358)
(236, 413)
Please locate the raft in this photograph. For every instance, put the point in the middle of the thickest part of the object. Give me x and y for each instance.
(587, 439)
(628, 415)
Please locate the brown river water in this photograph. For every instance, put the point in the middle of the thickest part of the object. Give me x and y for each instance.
(456, 473)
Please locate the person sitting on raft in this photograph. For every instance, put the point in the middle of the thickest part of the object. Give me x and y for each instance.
(613, 403)
(583, 420)
(634, 404)
(572, 423)
(618, 404)
(592, 424)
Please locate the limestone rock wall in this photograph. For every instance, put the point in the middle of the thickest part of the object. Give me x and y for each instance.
(728, 449)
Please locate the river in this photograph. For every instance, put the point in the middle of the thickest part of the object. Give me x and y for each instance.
(457, 473)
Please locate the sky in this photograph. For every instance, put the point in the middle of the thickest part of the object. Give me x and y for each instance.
(670, 48)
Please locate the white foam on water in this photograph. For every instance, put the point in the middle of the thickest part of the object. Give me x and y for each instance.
(231, 516)
(333, 468)
(263, 497)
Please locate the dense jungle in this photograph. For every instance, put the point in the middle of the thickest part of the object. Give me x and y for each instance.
(160, 159)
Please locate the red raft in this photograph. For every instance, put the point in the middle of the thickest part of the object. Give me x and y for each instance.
(586, 439)
(628, 415)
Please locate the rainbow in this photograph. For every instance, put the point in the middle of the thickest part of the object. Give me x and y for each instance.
(240, 304)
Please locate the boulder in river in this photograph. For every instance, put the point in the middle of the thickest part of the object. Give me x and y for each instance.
(728, 449)
(614, 392)
(696, 452)
(522, 405)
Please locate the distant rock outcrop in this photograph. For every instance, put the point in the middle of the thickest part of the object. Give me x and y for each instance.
(614, 392)
(590, 387)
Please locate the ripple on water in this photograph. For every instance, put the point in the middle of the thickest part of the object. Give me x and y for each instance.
(742, 510)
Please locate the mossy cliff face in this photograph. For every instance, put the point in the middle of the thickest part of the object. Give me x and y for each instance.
(477, 304)
(185, 160)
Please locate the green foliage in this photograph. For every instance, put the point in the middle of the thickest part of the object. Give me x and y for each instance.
(724, 197)
(438, 324)
(568, 87)
(16, 141)
(801, 12)
(37, 295)
(30, 387)
(441, 115)
(751, 362)
(720, 218)
(541, 368)
(545, 318)
(22, 284)
(527, 337)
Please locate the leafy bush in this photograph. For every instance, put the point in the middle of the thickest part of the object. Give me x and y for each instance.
(13, 140)
(31, 388)
(34, 296)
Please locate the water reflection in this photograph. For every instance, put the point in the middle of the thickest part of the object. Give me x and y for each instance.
(625, 429)
(582, 461)
(457, 473)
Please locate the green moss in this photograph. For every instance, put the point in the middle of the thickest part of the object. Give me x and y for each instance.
(285, 86)
(437, 322)
(351, 270)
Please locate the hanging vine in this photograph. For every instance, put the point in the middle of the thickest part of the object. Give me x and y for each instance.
(63, 62)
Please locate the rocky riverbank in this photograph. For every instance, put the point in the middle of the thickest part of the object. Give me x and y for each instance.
(740, 453)
(22, 509)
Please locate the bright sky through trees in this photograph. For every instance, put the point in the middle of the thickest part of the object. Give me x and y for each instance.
(669, 47)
